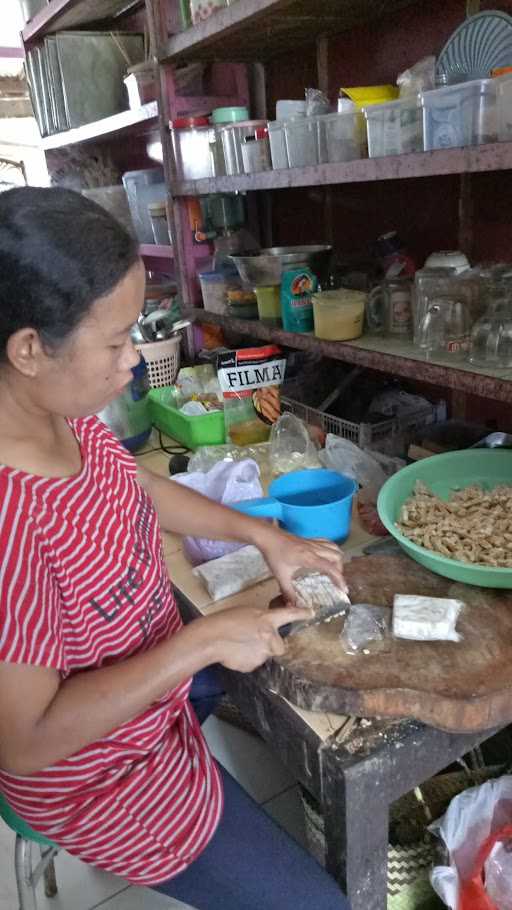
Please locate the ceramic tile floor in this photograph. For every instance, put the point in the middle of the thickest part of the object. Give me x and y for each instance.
(246, 757)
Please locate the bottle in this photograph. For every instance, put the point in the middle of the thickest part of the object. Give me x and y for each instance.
(297, 288)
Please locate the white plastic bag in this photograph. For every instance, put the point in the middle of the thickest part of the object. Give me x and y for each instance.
(471, 818)
(226, 482)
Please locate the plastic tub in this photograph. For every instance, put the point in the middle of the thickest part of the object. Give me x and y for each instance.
(459, 115)
(339, 315)
(143, 187)
(214, 288)
(286, 110)
(504, 101)
(302, 141)
(158, 216)
(232, 137)
(277, 140)
(192, 432)
(395, 128)
(256, 152)
(191, 138)
(344, 135)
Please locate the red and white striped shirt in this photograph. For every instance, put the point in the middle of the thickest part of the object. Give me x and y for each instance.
(83, 584)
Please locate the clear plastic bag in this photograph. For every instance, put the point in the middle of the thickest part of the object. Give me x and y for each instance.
(474, 821)
(345, 457)
(207, 456)
(291, 447)
(364, 624)
(419, 78)
(226, 482)
(498, 875)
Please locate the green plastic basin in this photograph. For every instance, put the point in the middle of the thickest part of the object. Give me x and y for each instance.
(443, 474)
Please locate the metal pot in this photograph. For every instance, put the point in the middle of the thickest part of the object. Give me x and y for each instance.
(128, 415)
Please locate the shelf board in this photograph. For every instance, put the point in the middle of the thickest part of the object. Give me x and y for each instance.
(143, 118)
(67, 14)
(259, 29)
(388, 355)
(494, 157)
(156, 251)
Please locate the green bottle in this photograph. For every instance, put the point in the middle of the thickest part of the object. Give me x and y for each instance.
(297, 287)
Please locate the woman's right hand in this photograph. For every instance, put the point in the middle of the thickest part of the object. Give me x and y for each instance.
(243, 638)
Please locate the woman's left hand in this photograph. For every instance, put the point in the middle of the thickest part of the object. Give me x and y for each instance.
(288, 555)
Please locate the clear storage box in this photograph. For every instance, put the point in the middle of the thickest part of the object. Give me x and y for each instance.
(214, 289)
(191, 139)
(142, 188)
(344, 136)
(504, 101)
(232, 137)
(277, 140)
(395, 128)
(460, 115)
(302, 141)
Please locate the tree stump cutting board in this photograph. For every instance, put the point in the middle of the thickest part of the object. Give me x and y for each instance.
(458, 687)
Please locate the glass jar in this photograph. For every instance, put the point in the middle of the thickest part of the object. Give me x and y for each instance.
(491, 335)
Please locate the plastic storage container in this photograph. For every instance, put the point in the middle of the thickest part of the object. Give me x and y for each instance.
(162, 361)
(215, 287)
(459, 115)
(192, 432)
(158, 216)
(269, 304)
(395, 128)
(143, 187)
(302, 141)
(504, 100)
(232, 136)
(191, 137)
(256, 152)
(344, 136)
(222, 116)
(277, 141)
(339, 315)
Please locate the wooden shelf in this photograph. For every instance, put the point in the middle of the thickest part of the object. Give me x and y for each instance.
(156, 251)
(66, 14)
(494, 157)
(388, 355)
(145, 117)
(257, 29)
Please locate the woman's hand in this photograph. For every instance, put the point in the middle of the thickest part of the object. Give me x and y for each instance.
(243, 638)
(288, 555)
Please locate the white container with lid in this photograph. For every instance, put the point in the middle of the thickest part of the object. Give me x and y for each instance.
(344, 136)
(395, 128)
(287, 109)
(191, 143)
(232, 136)
(460, 115)
(302, 141)
(504, 93)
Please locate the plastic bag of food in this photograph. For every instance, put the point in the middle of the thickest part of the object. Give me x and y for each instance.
(419, 78)
(345, 457)
(291, 448)
(205, 457)
(250, 380)
(364, 624)
(476, 822)
(226, 482)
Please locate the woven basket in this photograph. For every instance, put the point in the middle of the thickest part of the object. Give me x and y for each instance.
(413, 851)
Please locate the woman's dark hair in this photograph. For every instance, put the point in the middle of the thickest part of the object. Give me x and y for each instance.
(59, 252)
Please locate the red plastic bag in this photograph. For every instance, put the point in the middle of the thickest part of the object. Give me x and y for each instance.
(473, 895)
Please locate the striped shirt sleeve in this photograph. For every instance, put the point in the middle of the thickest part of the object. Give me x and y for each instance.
(30, 615)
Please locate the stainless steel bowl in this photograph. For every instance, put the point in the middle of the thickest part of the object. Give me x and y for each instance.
(264, 269)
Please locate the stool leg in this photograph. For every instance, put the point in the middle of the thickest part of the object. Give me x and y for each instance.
(50, 880)
(23, 868)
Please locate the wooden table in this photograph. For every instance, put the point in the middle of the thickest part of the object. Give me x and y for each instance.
(354, 767)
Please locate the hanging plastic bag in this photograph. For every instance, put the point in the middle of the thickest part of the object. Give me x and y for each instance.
(291, 448)
(226, 482)
(475, 820)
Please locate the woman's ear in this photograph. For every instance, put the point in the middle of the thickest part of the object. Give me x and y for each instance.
(26, 353)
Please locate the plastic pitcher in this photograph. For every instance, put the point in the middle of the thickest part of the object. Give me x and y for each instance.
(312, 503)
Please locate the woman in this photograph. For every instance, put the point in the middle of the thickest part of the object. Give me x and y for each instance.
(100, 749)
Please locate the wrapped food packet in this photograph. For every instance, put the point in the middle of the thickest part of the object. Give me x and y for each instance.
(250, 380)
(364, 624)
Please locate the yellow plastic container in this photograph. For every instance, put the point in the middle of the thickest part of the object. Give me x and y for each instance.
(339, 315)
(365, 95)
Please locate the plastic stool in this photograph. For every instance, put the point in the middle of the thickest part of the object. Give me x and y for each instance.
(28, 877)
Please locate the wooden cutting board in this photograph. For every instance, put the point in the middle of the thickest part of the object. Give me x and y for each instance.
(458, 687)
